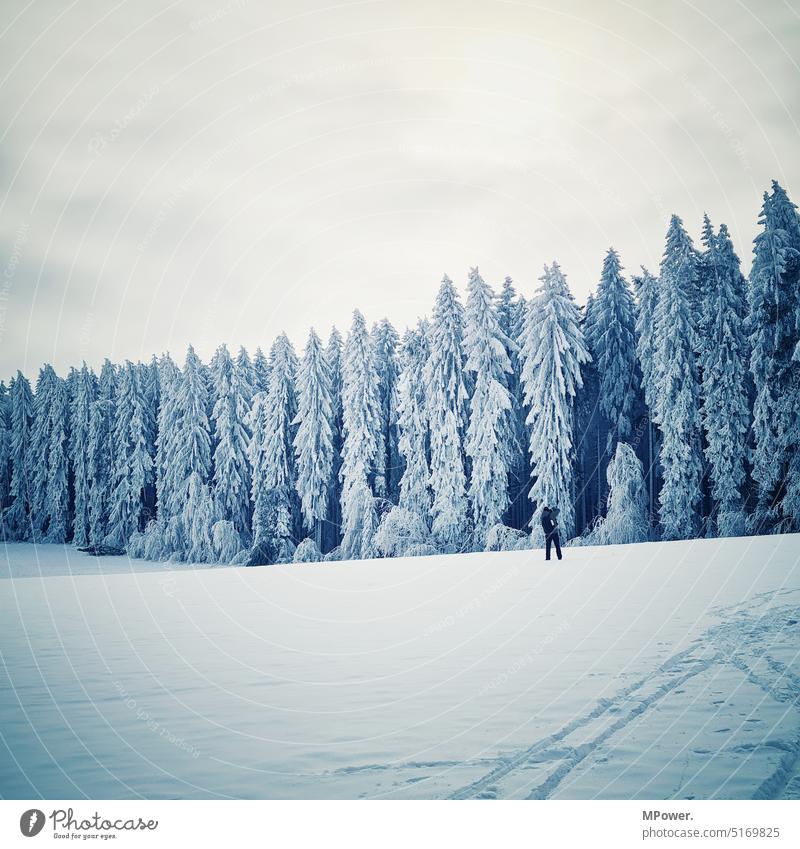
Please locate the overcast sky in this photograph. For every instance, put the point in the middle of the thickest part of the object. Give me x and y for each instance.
(216, 171)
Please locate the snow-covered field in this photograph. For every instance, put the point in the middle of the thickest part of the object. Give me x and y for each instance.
(653, 671)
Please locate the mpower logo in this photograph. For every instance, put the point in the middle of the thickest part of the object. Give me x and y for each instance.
(65, 823)
(31, 822)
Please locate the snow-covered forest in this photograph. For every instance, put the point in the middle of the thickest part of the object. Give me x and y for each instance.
(668, 407)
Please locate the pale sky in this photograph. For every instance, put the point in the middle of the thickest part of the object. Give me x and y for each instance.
(215, 171)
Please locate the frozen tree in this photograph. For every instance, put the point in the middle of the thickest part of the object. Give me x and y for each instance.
(313, 440)
(589, 431)
(774, 316)
(626, 520)
(260, 372)
(132, 462)
(446, 399)
(231, 467)
(553, 349)
(5, 452)
(388, 465)
(489, 431)
(16, 519)
(199, 518)
(677, 387)
(399, 530)
(511, 316)
(333, 357)
(101, 454)
(151, 393)
(84, 394)
(646, 286)
(613, 344)
(415, 493)
(723, 361)
(272, 456)
(361, 425)
(246, 375)
(39, 449)
(167, 497)
(57, 501)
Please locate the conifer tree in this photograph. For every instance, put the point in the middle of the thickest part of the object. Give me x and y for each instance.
(446, 399)
(16, 518)
(677, 387)
(167, 446)
(313, 440)
(415, 493)
(333, 357)
(101, 454)
(230, 412)
(774, 328)
(260, 372)
(646, 286)
(553, 348)
(489, 431)
(84, 394)
(614, 350)
(511, 316)
(724, 363)
(272, 455)
(39, 449)
(5, 453)
(388, 465)
(132, 462)
(361, 427)
(57, 500)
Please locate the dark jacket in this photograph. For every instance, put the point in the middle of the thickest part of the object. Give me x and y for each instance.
(547, 522)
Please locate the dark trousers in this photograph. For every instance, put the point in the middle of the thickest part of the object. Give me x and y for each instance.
(549, 540)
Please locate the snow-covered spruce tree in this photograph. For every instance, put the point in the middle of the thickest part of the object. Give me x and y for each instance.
(331, 535)
(361, 416)
(490, 429)
(57, 501)
(446, 399)
(553, 349)
(167, 499)
(627, 518)
(313, 440)
(590, 432)
(723, 360)
(677, 398)
(614, 350)
(151, 391)
(231, 467)
(39, 449)
(84, 394)
(272, 458)
(774, 316)
(199, 517)
(132, 462)
(511, 316)
(260, 372)
(5, 453)
(16, 519)
(388, 464)
(415, 495)
(246, 375)
(101, 454)
(646, 287)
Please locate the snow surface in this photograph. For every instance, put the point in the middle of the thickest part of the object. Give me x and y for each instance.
(657, 670)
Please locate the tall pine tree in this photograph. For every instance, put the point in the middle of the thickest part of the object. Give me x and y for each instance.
(447, 398)
(677, 399)
(553, 349)
(362, 424)
(101, 454)
(16, 518)
(490, 431)
(313, 440)
(84, 394)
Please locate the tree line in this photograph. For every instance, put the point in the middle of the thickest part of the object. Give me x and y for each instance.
(667, 407)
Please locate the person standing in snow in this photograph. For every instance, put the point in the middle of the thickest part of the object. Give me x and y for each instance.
(550, 528)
